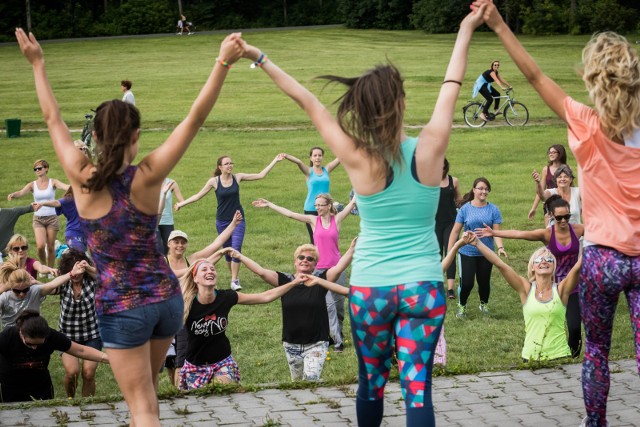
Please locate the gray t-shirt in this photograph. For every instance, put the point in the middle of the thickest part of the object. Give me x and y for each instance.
(11, 306)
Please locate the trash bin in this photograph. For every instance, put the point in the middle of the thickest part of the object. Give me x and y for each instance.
(13, 127)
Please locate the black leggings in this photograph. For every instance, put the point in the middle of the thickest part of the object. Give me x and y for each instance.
(574, 325)
(475, 268)
(443, 232)
(309, 229)
(488, 95)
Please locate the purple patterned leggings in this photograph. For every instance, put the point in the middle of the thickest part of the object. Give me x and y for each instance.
(605, 273)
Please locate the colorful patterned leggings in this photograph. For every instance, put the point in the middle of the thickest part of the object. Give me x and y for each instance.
(411, 315)
(605, 273)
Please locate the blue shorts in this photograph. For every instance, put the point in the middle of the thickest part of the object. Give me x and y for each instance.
(132, 328)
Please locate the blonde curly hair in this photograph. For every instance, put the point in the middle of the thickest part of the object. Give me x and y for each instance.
(612, 77)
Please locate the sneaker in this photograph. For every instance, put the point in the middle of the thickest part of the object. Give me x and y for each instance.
(484, 309)
(462, 312)
(235, 285)
(338, 348)
(451, 294)
(190, 34)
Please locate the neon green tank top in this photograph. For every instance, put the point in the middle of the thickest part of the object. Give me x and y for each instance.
(545, 336)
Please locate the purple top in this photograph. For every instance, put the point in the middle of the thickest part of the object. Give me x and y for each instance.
(68, 209)
(30, 268)
(131, 272)
(566, 256)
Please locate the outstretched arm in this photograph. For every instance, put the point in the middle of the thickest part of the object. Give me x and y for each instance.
(266, 296)
(49, 203)
(87, 353)
(269, 276)
(264, 203)
(263, 173)
(52, 286)
(199, 195)
(333, 164)
(218, 241)
(346, 211)
(467, 237)
(434, 138)
(303, 168)
(334, 272)
(310, 280)
(25, 190)
(533, 235)
(550, 92)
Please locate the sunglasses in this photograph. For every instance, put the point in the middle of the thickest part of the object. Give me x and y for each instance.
(39, 168)
(20, 248)
(541, 258)
(308, 258)
(566, 217)
(21, 291)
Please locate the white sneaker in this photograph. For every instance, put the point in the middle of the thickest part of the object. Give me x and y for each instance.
(235, 285)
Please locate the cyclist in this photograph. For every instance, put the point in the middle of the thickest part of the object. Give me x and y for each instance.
(483, 86)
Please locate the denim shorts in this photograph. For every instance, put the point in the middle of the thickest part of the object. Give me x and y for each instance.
(132, 328)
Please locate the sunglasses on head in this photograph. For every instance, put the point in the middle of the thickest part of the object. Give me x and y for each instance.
(559, 218)
(308, 258)
(38, 168)
(541, 258)
(21, 291)
(20, 248)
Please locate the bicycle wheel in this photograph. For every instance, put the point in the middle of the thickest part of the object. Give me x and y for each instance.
(471, 113)
(516, 114)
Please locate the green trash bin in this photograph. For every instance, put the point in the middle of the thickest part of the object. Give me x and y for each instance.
(13, 127)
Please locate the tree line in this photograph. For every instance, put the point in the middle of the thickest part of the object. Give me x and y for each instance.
(88, 18)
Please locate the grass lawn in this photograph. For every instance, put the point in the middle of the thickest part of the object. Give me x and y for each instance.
(253, 122)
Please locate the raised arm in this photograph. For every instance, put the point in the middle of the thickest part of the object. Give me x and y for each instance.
(455, 234)
(157, 164)
(536, 200)
(264, 203)
(540, 191)
(519, 283)
(199, 195)
(163, 196)
(52, 286)
(346, 211)
(539, 235)
(434, 137)
(263, 173)
(266, 296)
(218, 241)
(59, 185)
(334, 272)
(338, 141)
(466, 238)
(333, 164)
(25, 190)
(269, 276)
(568, 284)
(44, 269)
(301, 165)
(176, 191)
(550, 92)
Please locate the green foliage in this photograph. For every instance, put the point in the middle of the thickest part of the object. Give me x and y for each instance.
(359, 13)
(545, 17)
(607, 15)
(435, 16)
(141, 17)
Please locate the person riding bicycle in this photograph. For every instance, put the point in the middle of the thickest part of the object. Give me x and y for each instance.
(483, 86)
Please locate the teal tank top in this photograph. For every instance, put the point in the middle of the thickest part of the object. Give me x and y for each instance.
(397, 242)
(545, 337)
(316, 184)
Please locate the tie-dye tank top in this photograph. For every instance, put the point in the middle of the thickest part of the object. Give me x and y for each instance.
(131, 272)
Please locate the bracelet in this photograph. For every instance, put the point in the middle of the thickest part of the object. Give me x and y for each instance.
(500, 247)
(224, 63)
(261, 61)
(453, 81)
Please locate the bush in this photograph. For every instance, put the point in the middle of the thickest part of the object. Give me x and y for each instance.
(436, 16)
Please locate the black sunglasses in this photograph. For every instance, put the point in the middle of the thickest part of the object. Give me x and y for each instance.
(21, 291)
(308, 258)
(566, 217)
(20, 248)
(39, 168)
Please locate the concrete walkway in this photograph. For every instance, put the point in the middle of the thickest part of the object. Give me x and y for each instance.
(546, 397)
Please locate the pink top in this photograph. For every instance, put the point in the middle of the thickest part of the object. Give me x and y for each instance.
(326, 240)
(609, 182)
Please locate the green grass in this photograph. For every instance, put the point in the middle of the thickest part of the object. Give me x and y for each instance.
(253, 122)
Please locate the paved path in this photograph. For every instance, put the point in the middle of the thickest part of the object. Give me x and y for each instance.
(546, 397)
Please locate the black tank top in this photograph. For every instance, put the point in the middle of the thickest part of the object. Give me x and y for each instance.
(228, 200)
(487, 76)
(447, 204)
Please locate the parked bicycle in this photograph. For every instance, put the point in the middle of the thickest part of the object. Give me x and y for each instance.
(515, 113)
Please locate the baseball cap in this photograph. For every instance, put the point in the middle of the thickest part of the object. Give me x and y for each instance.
(178, 233)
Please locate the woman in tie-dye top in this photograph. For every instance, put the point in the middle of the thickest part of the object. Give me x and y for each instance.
(138, 302)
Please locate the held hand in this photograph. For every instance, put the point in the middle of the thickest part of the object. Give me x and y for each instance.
(249, 51)
(53, 271)
(475, 18)
(177, 206)
(225, 251)
(485, 231)
(29, 46)
(237, 218)
(469, 238)
(231, 48)
(280, 157)
(36, 206)
(502, 252)
(10, 197)
(492, 16)
(260, 203)
(536, 176)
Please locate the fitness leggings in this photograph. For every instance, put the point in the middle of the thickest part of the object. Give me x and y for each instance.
(574, 325)
(605, 273)
(474, 268)
(237, 237)
(411, 315)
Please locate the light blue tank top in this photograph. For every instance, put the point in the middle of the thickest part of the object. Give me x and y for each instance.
(397, 243)
(166, 217)
(316, 184)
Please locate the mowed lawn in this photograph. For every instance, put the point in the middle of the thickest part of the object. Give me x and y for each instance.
(253, 122)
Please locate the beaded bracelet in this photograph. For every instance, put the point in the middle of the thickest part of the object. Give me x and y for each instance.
(224, 63)
(261, 61)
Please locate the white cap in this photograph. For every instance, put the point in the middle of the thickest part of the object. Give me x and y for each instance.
(177, 233)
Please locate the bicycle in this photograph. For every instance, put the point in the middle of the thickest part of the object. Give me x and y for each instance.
(87, 132)
(515, 113)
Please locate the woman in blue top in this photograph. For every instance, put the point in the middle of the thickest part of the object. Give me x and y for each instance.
(165, 210)
(397, 293)
(476, 212)
(226, 186)
(138, 298)
(317, 177)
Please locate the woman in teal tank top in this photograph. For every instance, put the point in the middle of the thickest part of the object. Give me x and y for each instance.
(544, 302)
(397, 293)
